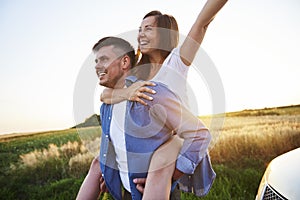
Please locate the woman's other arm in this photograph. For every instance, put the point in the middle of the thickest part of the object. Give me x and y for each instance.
(135, 92)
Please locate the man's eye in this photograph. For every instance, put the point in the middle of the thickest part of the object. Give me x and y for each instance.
(103, 59)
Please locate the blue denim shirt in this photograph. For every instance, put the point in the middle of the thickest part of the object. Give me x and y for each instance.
(148, 127)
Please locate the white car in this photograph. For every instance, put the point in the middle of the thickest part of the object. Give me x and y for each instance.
(282, 178)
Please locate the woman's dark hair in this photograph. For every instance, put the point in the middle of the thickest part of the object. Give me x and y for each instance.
(169, 34)
(169, 37)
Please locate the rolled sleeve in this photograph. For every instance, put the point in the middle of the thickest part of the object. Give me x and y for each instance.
(192, 152)
(185, 165)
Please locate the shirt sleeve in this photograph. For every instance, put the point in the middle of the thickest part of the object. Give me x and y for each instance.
(176, 63)
(168, 108)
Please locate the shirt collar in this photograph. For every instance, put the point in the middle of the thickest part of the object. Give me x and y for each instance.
(130, 80)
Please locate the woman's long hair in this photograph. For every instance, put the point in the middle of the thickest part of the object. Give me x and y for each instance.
(169, 37)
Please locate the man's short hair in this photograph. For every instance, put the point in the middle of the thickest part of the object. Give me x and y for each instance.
(119, 43)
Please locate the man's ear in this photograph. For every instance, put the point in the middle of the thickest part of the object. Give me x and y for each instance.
(125, 62)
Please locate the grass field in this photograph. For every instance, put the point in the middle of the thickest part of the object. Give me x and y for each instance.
(52, 165)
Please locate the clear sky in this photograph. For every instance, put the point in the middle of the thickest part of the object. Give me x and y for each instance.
(253, 44)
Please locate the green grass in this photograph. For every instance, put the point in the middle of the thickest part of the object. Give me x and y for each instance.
(12, 148)
(232, 183)
(49, 179)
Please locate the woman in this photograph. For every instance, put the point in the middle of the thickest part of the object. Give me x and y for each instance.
(158, 40)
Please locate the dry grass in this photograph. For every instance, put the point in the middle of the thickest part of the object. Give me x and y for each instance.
(82, 161)
(35, 157)
(74, 150)
(260, 137)
(235, 139)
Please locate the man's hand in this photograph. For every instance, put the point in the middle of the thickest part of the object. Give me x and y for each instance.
(140, 184)
(177, 175)
(102, 185)
(136, 92)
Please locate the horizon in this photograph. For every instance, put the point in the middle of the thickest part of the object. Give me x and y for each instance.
(74, 126)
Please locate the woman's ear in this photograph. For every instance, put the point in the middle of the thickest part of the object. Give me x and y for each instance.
(125, 62)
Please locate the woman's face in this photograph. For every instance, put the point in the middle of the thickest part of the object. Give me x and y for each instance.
(148, 37)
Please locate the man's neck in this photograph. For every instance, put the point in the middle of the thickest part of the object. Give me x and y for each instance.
(121, 83)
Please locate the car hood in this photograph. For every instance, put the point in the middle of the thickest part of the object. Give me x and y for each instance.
(283, 174)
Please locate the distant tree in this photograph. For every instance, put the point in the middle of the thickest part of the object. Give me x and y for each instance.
(93, 120)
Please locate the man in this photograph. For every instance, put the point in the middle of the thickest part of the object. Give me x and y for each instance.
(131, 132)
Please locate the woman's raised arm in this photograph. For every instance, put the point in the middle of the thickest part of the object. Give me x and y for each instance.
(194, 39)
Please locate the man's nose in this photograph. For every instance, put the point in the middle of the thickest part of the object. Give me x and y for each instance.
(99, 66)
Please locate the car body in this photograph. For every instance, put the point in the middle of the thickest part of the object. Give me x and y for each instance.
(281, 179)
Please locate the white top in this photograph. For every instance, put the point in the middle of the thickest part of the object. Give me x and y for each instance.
(173, 73)
(117, 135)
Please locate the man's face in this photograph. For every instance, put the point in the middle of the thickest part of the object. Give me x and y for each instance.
(108, 67)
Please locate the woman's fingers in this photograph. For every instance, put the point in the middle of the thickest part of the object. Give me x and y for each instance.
(148, 83)
(146, 89)
(141, 101)
(144, 96)
(140, 92)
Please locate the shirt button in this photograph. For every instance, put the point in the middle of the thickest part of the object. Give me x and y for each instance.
(106, 136)
(104, 155)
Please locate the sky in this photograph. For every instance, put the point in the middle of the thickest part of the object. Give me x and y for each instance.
(45, 45)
